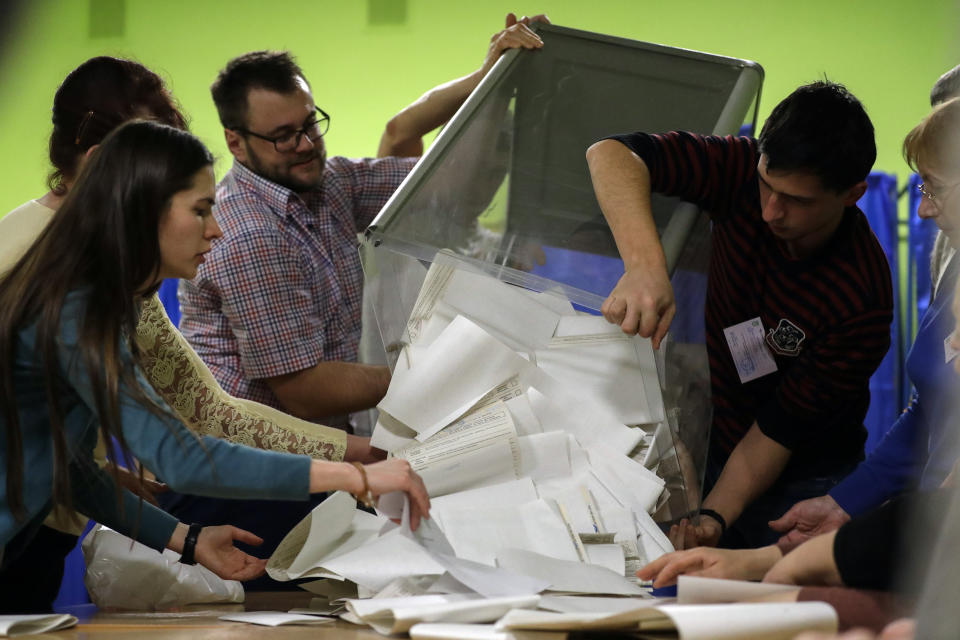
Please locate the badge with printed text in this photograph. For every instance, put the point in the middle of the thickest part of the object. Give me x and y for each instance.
(749, 351)
(786, 339)
(949, 353)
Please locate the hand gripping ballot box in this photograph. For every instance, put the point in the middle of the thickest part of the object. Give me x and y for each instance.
(502, 205)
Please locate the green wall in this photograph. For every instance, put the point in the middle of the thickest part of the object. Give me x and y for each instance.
(888, 53)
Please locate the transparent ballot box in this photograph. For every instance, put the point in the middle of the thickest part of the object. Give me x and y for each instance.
(504, 195)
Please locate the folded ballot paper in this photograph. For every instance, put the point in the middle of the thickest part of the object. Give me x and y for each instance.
(12, 626)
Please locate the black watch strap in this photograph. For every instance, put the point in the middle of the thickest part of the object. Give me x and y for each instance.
(190, 545)
(716, 516)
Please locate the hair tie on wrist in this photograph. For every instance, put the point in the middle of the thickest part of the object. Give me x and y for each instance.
(716, 516)
(365, 497)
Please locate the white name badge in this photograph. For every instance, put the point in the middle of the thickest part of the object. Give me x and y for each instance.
(949, 353)
(749, 350)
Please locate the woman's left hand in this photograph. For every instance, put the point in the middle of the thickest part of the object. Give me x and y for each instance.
(215, 551)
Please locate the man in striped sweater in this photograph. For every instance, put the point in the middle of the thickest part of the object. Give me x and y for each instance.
(799, 297)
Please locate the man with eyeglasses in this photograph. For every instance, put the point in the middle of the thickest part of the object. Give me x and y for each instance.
(275, 310)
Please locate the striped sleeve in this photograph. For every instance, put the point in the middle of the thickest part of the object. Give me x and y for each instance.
(709, 171)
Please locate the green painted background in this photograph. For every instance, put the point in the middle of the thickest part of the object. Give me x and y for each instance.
(888, 53)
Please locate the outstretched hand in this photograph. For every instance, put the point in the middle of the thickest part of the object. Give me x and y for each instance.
(735, 564)
(642, 303)
(216, 552)
(808, 518)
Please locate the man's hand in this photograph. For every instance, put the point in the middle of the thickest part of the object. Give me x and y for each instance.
(807, 519)
(516, 35)
(216, 552)
(686, 535)
(734, 564)
(642, 303)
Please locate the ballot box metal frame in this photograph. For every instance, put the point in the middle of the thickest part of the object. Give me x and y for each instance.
(419, 219)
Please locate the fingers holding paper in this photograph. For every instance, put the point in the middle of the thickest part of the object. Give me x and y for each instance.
(642, 303)
(396, 474)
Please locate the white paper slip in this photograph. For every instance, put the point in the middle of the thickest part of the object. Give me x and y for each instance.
(436, 392)
(526, 423)
(595, 604)
(700, 590)
(557, 409)
(566, 576)
(390, 434)
(611, 374)
(502, 308)
(750, 621)
(544, 455)
(275, 618)
(383, 560)
(451, 631)
(586, 325)
(479, 449)
(397, 615)
(31, 624)
(479, 534)
(749, 350)
(608, 556)
(334, 527)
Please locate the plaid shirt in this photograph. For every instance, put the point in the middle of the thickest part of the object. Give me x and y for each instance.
(282, 290)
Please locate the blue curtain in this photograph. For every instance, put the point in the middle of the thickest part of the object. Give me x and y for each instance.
(879, 204)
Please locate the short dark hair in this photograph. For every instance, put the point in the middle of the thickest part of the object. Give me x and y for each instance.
(94, 99)
(272, 70)
(821, 128)
(947, 86)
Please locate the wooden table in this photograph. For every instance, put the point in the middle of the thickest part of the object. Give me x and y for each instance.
(201, 622)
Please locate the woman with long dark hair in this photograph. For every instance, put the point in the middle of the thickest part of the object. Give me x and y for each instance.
(92, 100)
(138, 212)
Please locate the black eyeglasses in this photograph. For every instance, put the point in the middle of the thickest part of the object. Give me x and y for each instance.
(290, 141)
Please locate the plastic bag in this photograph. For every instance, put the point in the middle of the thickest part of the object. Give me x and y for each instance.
(124, 574)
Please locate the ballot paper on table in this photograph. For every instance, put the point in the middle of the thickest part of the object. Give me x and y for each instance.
(275, 618)
(700, 590)
(455, 372)
(332, 528)
(479, 449)
(566, 576)
(454, 631)
(30, 624)
(397, 615)
(741, 621)
(632, 483)
(478, 534)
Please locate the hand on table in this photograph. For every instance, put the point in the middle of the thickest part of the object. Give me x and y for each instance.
(734, 564)
(642, 303)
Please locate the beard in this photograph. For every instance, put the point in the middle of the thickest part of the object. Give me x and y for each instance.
(283, 176)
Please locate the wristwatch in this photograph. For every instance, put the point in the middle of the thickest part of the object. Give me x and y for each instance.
(190, 544)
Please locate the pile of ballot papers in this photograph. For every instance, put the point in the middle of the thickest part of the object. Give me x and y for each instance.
(537, 430)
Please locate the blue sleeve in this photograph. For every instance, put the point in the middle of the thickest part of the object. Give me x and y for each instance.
(202, 466)
(891, 467)
(95, 496)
